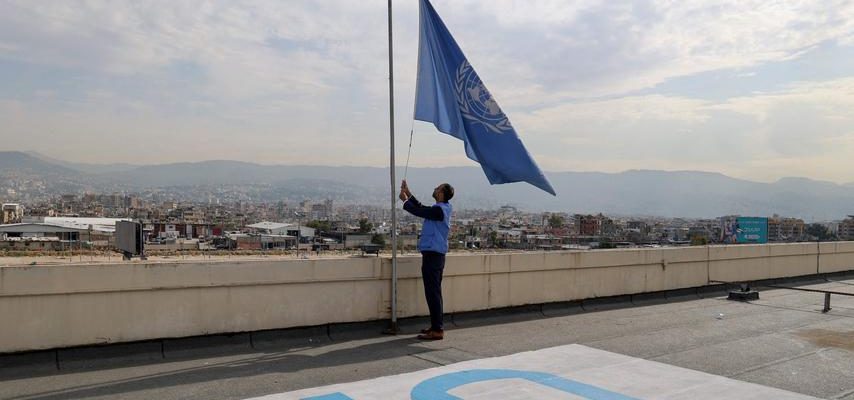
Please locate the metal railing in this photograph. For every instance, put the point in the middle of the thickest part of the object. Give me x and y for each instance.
(745, 287)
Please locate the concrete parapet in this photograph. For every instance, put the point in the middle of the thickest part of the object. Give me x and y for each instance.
(736, 263)
(836, 257)
(44, 307)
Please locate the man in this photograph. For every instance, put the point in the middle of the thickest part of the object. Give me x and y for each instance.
(433, 245)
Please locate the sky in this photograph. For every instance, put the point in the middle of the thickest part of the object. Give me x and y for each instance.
(753, 89)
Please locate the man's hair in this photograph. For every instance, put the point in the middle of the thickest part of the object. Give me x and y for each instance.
(448, 191)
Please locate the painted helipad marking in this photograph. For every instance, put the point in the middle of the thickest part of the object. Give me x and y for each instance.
(565, 372)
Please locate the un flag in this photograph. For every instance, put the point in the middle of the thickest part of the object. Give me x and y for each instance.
(450, 94)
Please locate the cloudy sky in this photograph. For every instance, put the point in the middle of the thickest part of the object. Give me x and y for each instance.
(751, 88)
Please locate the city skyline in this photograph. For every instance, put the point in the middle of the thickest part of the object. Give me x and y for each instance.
(753, 90)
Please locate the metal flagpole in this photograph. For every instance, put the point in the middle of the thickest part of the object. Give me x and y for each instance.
(393, 327)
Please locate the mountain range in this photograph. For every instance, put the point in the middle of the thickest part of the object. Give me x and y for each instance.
(691, 194)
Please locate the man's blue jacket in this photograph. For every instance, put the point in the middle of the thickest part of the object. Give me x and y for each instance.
(437, 224)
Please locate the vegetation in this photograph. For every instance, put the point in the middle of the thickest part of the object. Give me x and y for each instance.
(365, 226)
(320, 226)
(699, 241)
(378, 239)
(556, 221)
(606, 243)
(493, 238)
(820, 232)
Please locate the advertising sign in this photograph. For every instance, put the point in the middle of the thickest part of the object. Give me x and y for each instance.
(744, 230)
(752, 230)
(129, 237)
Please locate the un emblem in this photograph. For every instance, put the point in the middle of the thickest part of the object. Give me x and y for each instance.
(476, 103)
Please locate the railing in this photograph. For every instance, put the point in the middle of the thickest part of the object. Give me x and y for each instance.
(827, 294)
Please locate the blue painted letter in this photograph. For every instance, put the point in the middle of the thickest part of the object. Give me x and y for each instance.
(437, 388)
(333, 396)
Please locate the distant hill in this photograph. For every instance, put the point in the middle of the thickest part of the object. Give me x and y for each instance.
(229, 172)
(83, 167)
(15, 160)
(635, 192)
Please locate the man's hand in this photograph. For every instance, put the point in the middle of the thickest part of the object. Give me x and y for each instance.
(404, 191)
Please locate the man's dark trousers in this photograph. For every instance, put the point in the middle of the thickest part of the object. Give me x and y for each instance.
(432, 266)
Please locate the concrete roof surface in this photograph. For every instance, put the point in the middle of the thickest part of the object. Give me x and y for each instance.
(781, 341)
(98, 224)
(271, 225)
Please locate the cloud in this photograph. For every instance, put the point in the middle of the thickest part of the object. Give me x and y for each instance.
(761, 135)
(574, 49)
(306, 82)
(229, 42)
(832, 99)
(612, 48)
(626, 109)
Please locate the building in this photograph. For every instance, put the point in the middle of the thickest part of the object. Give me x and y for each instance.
(508, 237)
(542, 241)
(278, 228)
(176, 230)
(640, 227)
(785, 229)
(39, 236)
(588, 225)
(260, 241)
(12, 213)
(508, 212)
(352, 241)
(270, 228)
(31, 243)
(322, 212)
(107, 225)
(699, 232)
(846, 228)
(94, 231)
(676, 233)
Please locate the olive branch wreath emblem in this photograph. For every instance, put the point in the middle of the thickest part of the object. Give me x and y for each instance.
(499, 127)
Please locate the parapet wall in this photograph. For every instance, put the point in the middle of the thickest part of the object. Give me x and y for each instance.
(44, 307)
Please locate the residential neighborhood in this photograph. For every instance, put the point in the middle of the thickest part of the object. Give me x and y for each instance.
(88, 222)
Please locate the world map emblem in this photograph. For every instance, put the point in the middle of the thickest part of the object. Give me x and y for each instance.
(476, 103)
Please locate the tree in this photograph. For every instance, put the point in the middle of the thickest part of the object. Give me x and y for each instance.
(365, 226)
(378, 239)
(321, 226)
(699, 240)
(457, 240)
(556, 221)
(606, 243)
(820, 232)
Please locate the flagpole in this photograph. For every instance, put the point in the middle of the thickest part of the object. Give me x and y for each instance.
(393, 326)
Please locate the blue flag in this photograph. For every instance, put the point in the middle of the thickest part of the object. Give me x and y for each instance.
(450, 94)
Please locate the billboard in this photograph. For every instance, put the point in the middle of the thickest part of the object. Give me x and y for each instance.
(752, 230)
(745, 230)
(129, 237)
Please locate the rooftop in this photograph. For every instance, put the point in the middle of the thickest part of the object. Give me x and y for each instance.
(270, 225)
(99, 224)
(38, 227)
(781, 341)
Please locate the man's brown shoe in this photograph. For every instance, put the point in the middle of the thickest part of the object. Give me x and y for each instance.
(425, 330)
(432, 335)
